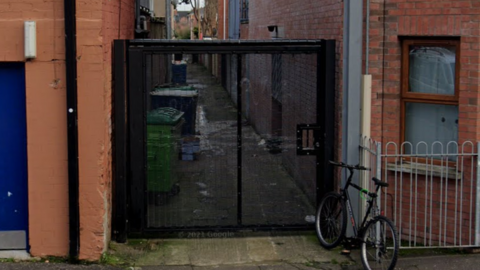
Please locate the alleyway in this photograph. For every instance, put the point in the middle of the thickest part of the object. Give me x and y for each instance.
(208, 185)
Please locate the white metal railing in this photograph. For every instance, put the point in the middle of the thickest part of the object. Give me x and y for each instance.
(434, 190)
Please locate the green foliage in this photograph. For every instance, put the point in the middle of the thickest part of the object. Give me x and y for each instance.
(195, 32)
(183, 34)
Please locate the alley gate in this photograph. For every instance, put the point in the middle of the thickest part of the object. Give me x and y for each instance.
(221, 135)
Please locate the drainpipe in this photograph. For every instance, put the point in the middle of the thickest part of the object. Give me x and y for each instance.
(137, 15)
(224, 18)
(72, 128)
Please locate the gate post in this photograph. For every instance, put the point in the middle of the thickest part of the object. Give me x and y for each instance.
(119, 223)
(325, 115)
(239, 139)
(137, 143)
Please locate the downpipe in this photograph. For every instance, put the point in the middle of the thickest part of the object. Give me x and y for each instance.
(72, 128)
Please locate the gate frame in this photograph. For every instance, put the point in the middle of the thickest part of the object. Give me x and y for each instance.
(129, 115)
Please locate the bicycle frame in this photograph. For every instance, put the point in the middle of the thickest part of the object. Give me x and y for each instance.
(346, 197)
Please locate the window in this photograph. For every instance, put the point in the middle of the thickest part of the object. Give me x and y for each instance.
(244, 11)
(430, 82)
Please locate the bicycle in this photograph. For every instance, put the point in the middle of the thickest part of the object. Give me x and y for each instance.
(377, 236)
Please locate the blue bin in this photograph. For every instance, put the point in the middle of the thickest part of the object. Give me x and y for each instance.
(179, 73)
(183, 99)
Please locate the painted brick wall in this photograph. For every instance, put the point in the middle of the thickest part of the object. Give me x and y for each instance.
(46, 118)
(99, 22)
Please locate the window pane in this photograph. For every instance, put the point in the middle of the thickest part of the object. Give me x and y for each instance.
(432, 70)
(430, 123)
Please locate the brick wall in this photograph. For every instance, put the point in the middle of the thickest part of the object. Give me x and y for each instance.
(305, 20)
(300, 20)
(421, 18)
(459, 19)
(98, 24)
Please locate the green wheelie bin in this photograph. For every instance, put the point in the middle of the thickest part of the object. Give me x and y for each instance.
(164, 126)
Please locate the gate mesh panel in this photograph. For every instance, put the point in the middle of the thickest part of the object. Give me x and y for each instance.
(193, 167)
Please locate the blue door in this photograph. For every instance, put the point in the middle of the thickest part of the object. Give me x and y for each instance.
(13, 157)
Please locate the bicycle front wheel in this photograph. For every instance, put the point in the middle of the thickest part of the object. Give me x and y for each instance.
(331, 220)
(379, 247)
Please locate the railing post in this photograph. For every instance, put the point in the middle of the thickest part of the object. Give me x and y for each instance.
(379, 173)
(477, 200)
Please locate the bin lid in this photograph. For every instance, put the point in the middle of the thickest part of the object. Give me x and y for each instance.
(164, 116)
(175, 93)
(175, 87)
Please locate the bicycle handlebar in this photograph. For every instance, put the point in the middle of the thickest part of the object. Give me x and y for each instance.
(351, 167)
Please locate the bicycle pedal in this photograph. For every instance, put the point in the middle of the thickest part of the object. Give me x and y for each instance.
(345, 252)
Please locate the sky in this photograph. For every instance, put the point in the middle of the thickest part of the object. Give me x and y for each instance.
(185, 7)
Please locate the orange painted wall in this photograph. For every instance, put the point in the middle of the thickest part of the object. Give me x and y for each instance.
(98, 23)
(46, 118)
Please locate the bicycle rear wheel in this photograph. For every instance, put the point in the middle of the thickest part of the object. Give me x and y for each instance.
(379, 248)
(331, 220)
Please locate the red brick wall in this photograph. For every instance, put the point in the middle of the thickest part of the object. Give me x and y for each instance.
(422, 18)
(460, 19)
(305, 20)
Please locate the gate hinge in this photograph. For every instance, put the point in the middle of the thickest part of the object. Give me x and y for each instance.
(308, 139)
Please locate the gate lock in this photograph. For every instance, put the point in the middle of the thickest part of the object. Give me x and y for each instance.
(308, 139)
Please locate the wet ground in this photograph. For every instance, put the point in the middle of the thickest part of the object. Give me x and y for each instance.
(209, 184)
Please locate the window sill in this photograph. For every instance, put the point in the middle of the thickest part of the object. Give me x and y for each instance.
(423, 169)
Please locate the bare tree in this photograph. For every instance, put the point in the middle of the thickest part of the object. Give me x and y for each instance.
(206, 16)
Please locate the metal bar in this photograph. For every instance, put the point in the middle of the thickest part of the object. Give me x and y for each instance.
(219, 42)
(119, 225)
(470, 216)
(233, 50)
(401, 198)
(379, 176)
(327, 88)
(461, 201)
(136, 124)
(410, 211)
(239, 139)
(477, 200)
(446, 208)
(425, 222)
(243, 228)
(431, 203)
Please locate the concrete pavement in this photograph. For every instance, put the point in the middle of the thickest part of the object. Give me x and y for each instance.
(445, 262)
(266, 251)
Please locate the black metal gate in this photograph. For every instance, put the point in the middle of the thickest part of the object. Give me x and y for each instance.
(238, 140)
